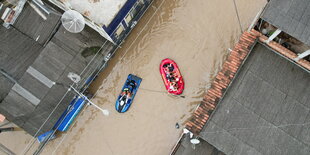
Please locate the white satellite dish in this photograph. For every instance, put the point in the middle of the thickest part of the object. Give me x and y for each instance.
(73, 21)
(74, 77)
(195, 141)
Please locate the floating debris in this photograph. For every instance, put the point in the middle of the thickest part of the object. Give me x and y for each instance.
(177, 126)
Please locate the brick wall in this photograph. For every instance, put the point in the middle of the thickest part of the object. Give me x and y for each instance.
(220, 83)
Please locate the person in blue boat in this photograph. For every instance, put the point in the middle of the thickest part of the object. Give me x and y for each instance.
(131, 85)
(126, 96)
(127, 92)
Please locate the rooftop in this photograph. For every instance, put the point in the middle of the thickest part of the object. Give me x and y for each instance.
(35, 53)
(203, 148)
(265, 110)
(258, 103)
(101, 12)
(291, 16)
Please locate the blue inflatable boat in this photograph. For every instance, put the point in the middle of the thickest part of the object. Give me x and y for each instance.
(128, 93)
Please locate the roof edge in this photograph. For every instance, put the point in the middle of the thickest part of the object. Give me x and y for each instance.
(221, 82)
(226, 75)
(282, 50)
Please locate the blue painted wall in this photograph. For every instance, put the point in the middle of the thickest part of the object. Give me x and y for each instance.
(119, 17)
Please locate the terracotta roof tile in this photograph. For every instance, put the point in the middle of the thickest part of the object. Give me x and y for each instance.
(227, 73)
(220, 84)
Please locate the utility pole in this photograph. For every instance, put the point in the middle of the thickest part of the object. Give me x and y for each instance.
(237, 13)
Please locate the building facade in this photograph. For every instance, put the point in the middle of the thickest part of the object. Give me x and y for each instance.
(112, 19)
(126, 19)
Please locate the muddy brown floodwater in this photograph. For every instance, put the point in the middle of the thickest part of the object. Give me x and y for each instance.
(194, 33)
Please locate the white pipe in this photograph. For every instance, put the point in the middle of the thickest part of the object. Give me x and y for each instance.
(41, 6)
(274, 35)
(302, 55)
(35, 8)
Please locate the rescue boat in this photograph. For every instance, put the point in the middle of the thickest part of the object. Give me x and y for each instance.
(168, 66)
(128, 93)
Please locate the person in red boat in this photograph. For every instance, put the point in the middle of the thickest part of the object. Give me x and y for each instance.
(173, 77)
(173, 86)
(170, 67)
(167, 72)
(170, 77)
(170, 74)
(165, 66)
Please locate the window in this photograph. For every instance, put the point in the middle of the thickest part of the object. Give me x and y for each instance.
(137, 7)
(134, 10)
(119, 30)
(128, 19)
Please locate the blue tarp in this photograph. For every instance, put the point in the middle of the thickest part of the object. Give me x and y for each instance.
(68, 116)
(42, 137)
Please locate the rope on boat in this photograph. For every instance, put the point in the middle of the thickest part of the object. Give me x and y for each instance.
(158, 91)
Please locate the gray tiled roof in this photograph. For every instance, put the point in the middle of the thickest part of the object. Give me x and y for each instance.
(291, 16)
(203, 148)
(34, 64)
(266, 110)
(40, 29)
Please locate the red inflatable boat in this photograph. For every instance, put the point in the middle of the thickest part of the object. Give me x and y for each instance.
(172, 77)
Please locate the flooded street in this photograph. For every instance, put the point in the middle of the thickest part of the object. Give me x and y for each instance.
(196, 34)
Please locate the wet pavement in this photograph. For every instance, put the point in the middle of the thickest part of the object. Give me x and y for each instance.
(196, 34)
